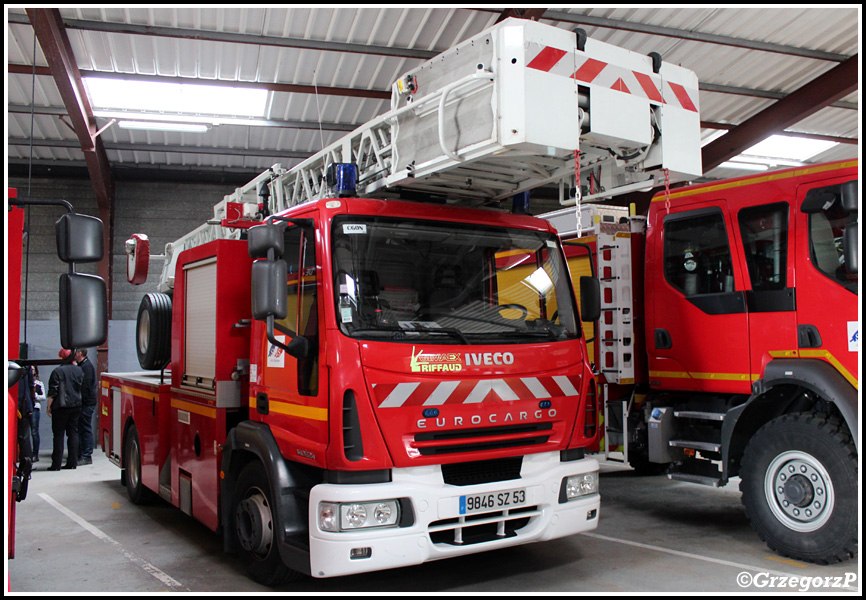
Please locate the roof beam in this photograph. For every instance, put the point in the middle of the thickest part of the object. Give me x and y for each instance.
(48, 28)
(242, 38)
(697, 36)
(290, 88)
(359, 92)
(135, 147)
(810, 98)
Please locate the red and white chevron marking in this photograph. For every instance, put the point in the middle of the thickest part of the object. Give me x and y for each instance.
(438, 393)
(597, 72)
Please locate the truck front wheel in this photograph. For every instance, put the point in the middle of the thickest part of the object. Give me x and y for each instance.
(253, 521)
(799, 486)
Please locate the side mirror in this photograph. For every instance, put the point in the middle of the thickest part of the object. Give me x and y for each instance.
(79, 238)
(850, 240)
(14, 373)
(83, 314)
(262, 238)
(850, 197)
(137, 258)
(269, 295)
(590, 299)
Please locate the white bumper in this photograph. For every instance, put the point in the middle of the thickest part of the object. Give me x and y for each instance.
(436, 510)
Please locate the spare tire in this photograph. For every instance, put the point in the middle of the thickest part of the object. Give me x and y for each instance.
(153, 332)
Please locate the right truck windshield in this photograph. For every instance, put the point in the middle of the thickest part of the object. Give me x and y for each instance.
(826, 229)
(407, 279)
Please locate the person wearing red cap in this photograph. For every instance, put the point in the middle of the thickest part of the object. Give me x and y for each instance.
(64, 408)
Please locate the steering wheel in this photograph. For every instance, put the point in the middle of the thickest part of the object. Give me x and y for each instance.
(519, 307)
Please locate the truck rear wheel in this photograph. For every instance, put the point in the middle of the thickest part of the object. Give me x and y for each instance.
(136, 490)
(253, 521)
(153, 331)
(799, 476)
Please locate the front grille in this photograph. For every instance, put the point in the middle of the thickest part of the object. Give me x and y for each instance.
(480, 528)
(485, 438)
(484, 471)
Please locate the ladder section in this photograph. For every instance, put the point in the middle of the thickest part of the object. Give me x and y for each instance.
(616, 327)
(506, 111)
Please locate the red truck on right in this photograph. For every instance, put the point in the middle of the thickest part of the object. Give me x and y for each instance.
(729, 344)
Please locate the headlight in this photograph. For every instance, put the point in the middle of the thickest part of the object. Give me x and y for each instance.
(358, 515)
(578, 485)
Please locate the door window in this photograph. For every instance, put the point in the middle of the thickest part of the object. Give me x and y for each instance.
(697, 256)
(765, 241)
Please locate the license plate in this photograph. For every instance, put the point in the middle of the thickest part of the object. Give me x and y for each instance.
(492, 501)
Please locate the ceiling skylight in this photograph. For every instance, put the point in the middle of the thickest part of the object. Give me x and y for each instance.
(186, 98)
(778, 151)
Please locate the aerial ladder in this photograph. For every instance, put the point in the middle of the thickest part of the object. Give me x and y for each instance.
(520, 105)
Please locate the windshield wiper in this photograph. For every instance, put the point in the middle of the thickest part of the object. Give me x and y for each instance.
(400, 333)
(446, 330)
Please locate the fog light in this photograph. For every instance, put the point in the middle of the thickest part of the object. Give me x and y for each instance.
(578, 485)
(358, 553)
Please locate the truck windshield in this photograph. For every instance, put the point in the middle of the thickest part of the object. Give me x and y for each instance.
(403, 279)
(826, 229)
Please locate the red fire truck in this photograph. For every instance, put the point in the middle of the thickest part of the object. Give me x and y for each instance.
(728, 344)
(83, 319)
(357, 384)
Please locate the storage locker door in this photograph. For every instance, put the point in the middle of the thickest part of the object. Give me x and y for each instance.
(200, 323)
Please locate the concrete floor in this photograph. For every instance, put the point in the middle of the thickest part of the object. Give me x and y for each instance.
(78, 532)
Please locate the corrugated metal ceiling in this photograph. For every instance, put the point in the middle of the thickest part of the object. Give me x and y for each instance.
(754, 52)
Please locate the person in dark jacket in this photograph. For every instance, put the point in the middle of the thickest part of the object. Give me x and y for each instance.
(25, 412)
(64, 408)
(39, 401)
(88, 406)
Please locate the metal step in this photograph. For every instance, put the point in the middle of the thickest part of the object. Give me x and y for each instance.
(699, 479)
(699, 414)
(695, 445)
(700, 471)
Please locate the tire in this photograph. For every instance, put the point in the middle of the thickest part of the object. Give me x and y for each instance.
(799, 486)
(136, 490)
(644, 468)
(253, 524)
(153, 332)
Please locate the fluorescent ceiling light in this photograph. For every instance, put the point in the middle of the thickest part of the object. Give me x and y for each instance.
(175, 98)
(744, 166)
(162, 126)
(788, 148)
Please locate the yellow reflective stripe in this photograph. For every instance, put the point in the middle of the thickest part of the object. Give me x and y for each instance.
(140, 393)
(295, 410)
(205, 411)
(822, 354)
(710, 376)
(757, 179)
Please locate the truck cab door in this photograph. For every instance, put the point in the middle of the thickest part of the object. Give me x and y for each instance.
(288, 392)
(766, 233)
(697, 322)
(827, 292)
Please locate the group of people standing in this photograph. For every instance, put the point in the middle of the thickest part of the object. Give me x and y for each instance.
(69, 402)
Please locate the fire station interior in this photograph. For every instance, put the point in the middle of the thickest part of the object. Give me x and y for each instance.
(96, 117)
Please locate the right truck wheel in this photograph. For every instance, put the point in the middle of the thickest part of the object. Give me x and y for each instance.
(799, 486)
(253, 520)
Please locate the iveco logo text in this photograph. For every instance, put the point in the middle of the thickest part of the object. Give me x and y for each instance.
(490, 358)
(494, 418)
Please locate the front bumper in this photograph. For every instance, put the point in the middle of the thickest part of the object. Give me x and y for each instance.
(438, 531)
